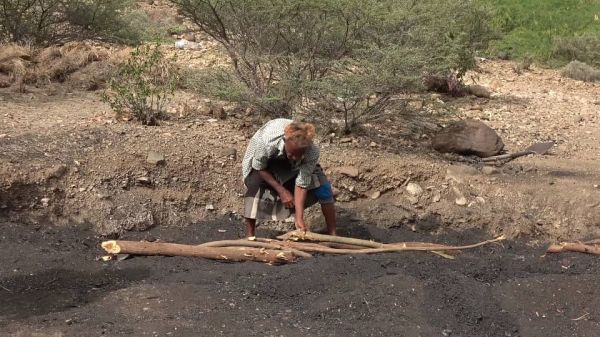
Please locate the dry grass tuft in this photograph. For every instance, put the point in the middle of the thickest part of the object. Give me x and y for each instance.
(56, 64)
(14, 61)
(581, 72)
(11, 50)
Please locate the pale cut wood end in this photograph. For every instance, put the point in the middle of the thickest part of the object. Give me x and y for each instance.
(111, 247)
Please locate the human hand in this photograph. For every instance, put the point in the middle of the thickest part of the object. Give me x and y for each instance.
(301, 225)
(287, 198)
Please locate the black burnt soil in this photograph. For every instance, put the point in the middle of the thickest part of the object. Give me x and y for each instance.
(52, 284)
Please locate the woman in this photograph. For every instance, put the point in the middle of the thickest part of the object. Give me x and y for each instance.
(282, 175)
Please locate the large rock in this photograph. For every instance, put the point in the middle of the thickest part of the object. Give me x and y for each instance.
(468, 137)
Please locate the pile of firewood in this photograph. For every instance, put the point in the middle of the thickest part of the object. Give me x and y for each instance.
(285, 249)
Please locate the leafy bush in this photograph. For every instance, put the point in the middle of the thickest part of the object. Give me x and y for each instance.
(345, 57)
(44, 22)
(548, 30)
(143, 85)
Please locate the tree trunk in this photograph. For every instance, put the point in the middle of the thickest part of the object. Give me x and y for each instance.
(229, 254)
(574, 247)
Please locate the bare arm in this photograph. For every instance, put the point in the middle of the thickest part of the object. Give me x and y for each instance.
(300, 194)
(284, 194)
(268, 177)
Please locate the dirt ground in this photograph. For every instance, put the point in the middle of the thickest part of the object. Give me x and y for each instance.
(71, 176)
(51, 285)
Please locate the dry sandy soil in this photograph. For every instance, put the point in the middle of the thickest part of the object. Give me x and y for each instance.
(71, 175)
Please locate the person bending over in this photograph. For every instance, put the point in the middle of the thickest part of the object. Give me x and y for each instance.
(282, 176)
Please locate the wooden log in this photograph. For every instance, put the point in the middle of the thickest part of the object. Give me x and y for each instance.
(317, 248)
(400, 246)
(574, 247)
(277, 245)
(229, 254)
(508, 156)
(303, 235)
(340, 245)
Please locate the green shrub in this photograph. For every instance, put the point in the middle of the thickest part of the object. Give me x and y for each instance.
(344, 57)
(44, 22)
(549, 30)
(143, 85)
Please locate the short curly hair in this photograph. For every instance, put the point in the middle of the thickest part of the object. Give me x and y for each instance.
(300, 133)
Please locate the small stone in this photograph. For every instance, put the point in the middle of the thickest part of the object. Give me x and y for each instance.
(461, 201)
(231, 153)
(460, 198)
(373, 144)
(596, 186)
(3, 135)
(155, 158)
(350, 171)
(45, 201)
(480, 200)
(210, 207)
(212, 120)
(414, 189)
(412, 199)
(489, 170)
(57, 171)
(351, 188)
(437, 196)
(479, 91)
(346, 140)
(102, 196)
(578, 119)
(144, 181)
(375, 195)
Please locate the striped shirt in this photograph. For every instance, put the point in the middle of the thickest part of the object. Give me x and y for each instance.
(267, 143)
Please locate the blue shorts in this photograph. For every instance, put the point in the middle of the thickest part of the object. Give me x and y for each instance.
(323, 193)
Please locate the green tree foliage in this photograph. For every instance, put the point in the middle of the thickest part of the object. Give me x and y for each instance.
(553, 31)
(143, 86)
(339, 56)
(44, 22)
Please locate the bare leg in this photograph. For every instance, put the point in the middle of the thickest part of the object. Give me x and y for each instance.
(329, 215)
(250, 227)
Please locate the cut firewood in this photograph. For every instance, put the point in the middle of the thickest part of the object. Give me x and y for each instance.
(376, 246)
(574, 247)
(508, 156)
(442, 254)
(303, 235)
(278, 251)
(232, 254)
(340, 245)
(255, 244)
(383, 248)
(536, 148)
